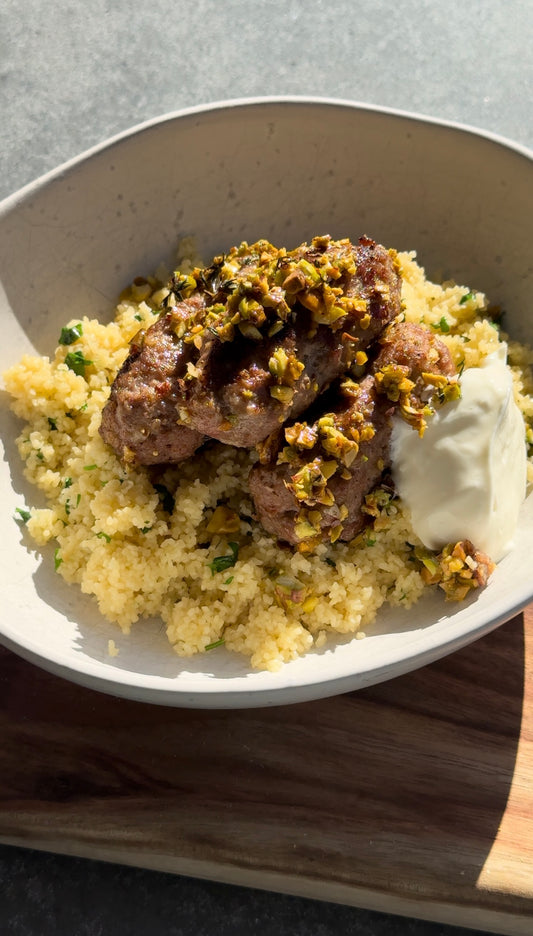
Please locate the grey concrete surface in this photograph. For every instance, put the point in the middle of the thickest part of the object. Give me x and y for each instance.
(72, 74)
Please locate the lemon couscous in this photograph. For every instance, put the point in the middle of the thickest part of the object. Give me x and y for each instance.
(182, 543)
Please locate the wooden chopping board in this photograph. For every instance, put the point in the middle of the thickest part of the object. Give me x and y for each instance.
(413, 797)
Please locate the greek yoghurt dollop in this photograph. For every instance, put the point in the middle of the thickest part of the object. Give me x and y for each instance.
(465, 478)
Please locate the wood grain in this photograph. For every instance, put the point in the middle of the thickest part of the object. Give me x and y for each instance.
(414, 796)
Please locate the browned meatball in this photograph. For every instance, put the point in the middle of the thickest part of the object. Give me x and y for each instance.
(314, 481)
(245, 389)
(263, 333)
(141, 420)
(315, 494)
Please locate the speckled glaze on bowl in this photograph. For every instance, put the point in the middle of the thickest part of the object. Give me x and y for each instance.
(284, 169)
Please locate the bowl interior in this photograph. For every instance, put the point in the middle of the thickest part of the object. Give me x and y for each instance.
(284, 170)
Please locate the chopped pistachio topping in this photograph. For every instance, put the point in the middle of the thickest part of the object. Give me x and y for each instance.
(393, 381)
(258, 288)
(309, 484)
(458, 569)
(335, 442)
(224, 520)
(282, 394)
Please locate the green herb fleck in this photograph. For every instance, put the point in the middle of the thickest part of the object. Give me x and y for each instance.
(102, 535)
(442, 326)
(67, 482)
(466, 298)
(70, 334)
(52, 424)
(89, 467)
(216, 643)
(57, 559)
(330, 562)
(220, 563)
(23, 514)
(68, 505)
(145, 529)
(76, 361)
(229, 580)
(138, 317)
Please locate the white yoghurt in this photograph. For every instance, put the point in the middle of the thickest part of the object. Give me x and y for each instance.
(465, 478)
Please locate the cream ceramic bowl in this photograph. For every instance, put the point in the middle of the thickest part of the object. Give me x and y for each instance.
(284, 169)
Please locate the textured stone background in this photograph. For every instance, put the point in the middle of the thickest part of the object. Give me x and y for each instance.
(72, 74)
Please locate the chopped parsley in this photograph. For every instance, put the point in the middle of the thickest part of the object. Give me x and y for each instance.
(68, 505)
(76, 361)
(443, 325)
(221, 563)
(57, 559)
(216, 643)
(102, 535)
(23, 514)
(67, 482)
(467, 297)
(71, 334)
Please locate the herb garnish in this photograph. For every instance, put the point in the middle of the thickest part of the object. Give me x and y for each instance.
(216, 643)
(220, 563)
(57, 559)
(443, 325)
(102, 535)
(24, 514)
(76, 361)
(70, 334)
(466, 298)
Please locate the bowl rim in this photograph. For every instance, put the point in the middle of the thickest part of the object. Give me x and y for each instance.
(210, 695)
(10, 201)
